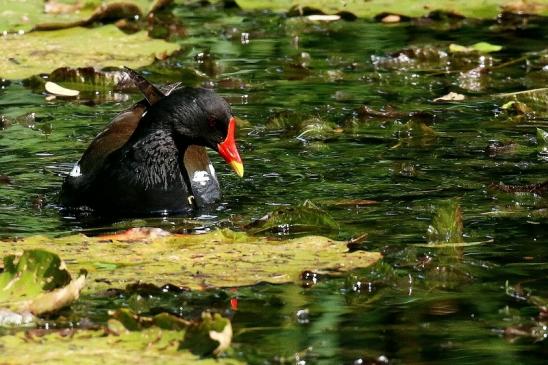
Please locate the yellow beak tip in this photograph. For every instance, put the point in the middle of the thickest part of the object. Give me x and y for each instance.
(238, 168)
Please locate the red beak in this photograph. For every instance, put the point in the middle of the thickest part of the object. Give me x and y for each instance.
(228, 150)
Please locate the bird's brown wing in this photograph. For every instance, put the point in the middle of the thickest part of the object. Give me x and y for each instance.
(114, 136)
(120, 129)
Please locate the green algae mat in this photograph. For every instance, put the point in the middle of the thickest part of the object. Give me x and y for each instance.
(153, 346)
(164, 342)
(219, 259)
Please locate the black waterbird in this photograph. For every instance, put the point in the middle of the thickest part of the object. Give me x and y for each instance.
(151, 158)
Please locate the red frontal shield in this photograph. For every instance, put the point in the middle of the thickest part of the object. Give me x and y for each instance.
(228, 149)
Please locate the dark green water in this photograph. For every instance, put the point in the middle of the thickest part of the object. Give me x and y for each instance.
(420, 305)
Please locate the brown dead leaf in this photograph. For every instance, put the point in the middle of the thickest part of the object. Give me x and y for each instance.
(58, 90)
(54, 7)
(392, 18)
(452, 96)
(355, 202)
(525, 7)
(59, 298)
(135, 234)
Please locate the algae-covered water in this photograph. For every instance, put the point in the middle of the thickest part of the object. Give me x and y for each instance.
(300, 88)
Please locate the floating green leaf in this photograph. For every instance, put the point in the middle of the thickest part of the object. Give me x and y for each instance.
(153, 345)
(22, 16)
(458, 48)
(277, 5)
(484, 47)
(481, 47)
(31, 274)
(411, 8)
(43, 52)
(542, 137)
(36, 282)
(211, 335)
(198, 261)
(163, 338)
(446, 225)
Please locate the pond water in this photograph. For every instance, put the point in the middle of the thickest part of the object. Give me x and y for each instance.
(420, 304)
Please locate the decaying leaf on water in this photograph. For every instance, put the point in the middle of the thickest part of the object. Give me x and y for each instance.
(496, 148)
(452, 96)
(525, 7)
(517, 212)
(516, 107)
(365, 112)
(538, 188)
(527, 326)
(410, 128)
(58, 90)
(349, 202)
(414, 133)
(390, 18)
(35, 283)
(520, 201)
(5, 180)
(285, 120)
(542, 137)
(294, 219)
(304, 128)
(135, 235)
(437, 59)
(323, 17)
(198, 261)
(536, 100)
(426, 57)
(43, 52)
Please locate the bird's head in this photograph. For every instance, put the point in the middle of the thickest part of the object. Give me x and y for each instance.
(200, 116)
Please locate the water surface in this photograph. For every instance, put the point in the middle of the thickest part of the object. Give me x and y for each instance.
(420, 305)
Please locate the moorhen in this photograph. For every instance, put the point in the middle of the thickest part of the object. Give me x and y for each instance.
(151, 159)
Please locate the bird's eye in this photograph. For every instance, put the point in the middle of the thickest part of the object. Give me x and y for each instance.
(211, 121)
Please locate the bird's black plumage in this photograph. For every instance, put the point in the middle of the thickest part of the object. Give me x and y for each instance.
(150, 159)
